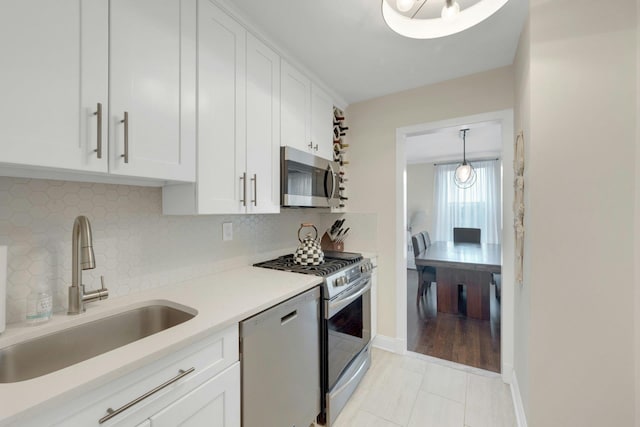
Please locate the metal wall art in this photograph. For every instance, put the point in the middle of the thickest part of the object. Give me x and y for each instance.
(518, 205)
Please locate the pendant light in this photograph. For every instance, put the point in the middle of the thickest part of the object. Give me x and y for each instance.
(465, 174)
(452, 20)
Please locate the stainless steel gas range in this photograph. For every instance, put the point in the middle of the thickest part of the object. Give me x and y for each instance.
(346, 326)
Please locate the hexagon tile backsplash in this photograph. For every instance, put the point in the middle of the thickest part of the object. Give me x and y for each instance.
(136, 247)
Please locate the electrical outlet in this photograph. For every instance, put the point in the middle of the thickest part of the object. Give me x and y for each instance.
(227, 231)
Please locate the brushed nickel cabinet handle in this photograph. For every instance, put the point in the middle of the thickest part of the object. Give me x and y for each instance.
(113, 412)
(98, 115)
(255, 189)
(243, 178)
(126, 137)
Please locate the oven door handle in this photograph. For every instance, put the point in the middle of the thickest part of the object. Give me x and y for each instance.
(336, 306)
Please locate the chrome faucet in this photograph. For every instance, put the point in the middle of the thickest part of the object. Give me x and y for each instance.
(82, 259)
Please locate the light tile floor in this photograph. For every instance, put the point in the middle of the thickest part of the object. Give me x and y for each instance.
(417, 391)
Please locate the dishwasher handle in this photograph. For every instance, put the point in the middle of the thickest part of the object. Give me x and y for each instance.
(288, 318)
(280, 314)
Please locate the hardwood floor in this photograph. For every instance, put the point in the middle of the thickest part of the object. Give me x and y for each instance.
(451, 337)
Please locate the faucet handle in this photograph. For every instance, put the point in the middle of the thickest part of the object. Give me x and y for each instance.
(103, 293)
(98, 294)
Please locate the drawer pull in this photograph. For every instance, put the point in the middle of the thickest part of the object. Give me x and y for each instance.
(113, 412)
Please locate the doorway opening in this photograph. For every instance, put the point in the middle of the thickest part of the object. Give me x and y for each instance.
(478, 331)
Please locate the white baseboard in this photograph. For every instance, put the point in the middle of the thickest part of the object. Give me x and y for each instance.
(389, 344)
(507, 373)
(517, 401)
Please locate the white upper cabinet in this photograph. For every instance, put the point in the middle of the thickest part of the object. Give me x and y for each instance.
(238, 123)
(322, 122)
(52, 78)
(263, 127)
(296, 105)
(71, 69)
(152, 88)
(307, 114)
(221, 112)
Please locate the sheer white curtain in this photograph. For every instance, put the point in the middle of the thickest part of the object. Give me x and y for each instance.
(479, 206)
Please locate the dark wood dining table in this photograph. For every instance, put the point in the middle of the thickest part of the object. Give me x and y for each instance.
(469, 264)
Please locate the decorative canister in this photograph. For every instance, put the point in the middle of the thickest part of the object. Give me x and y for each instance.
(309, 251)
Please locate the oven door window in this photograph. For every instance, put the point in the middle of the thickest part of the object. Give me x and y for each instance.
(349, 331)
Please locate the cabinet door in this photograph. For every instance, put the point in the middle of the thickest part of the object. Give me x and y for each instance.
(221, 112)
(321, 123)
(145, 423)
(295, 108)
(263, 127)
(216, 403)
(152, 79)
(53, 75)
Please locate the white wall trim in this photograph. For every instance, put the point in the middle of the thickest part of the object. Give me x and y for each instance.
(391, 344)
(507, 373)
(521, 417)
(506, 119)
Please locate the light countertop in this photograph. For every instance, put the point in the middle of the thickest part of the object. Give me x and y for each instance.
(221, 300)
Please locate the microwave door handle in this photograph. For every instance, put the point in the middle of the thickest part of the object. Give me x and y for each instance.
(333, 182)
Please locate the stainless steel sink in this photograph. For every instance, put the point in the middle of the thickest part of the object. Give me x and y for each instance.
(48, 353)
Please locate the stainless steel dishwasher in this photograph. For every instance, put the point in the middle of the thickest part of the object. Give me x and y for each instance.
(280, 363)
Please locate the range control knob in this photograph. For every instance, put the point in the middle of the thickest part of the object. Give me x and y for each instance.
(365, 267)
(341, 281)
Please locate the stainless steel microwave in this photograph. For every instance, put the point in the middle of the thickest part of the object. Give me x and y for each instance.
(308, 181)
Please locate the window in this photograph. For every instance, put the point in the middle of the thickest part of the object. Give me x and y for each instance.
(479, 206)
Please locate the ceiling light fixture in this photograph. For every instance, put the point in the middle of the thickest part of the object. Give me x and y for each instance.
(405, 5)
(450, 10)
(452, 20)
(465, 174)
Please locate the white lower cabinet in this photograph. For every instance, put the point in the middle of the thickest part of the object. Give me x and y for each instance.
(200, 381)
(216, 403)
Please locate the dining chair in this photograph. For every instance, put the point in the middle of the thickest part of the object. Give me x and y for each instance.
(426, 275)
(427, 239)
(466, 235)
(497, 280)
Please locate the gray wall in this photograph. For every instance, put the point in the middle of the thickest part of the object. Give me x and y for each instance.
(580, 212)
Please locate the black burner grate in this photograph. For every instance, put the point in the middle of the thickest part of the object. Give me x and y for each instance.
(330, 265)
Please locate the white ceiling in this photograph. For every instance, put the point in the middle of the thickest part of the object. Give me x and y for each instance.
(349, 47)
(484, 140)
